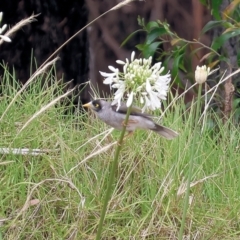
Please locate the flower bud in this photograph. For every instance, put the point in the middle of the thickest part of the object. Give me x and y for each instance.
(201, 74)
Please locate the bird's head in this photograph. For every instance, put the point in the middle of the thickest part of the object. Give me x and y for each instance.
(95, 105)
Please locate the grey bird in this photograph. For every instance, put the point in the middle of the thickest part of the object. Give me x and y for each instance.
(115, 118)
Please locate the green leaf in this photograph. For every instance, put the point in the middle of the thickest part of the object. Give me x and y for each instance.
(141, 21)
(212, 24)
(176, 41)
(151, 25)
(208, 56)
(130, 36)
(224, 59)
(216, 8)
(219, 41)
(150, 49)
(238, 58)
(175, 68)
(140, 47)
(155, 33)
(236, 102)
(236, 12)
(203, 2)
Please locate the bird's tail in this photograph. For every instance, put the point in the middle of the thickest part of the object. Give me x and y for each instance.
(165, 132)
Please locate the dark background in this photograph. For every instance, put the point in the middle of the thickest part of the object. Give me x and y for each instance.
(99, 45)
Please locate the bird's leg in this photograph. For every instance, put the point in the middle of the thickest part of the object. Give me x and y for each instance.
(130, 133)
(128, 125)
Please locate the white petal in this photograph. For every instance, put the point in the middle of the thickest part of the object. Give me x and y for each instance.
(120, 62)
(119, 103)
(104, 74)
(113, 69)
(5, 38)
(108, 80)
(158, 65)
(116, 85)
(116, 101)
(130, 99)
(155, 102)
(118, 94)
(125, 68)
(147, 104)
(3, 28)
(161, 70)
(148, 86)
(149, 61)
(132, 56)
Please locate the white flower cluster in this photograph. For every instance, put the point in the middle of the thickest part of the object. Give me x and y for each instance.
(139, 80)
(2, 29)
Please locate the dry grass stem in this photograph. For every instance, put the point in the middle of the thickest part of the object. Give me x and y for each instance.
(6, 162)
(223, 80)
(104, 149)
(43, 109)
(183, 186)
(176, 98)
(121, 4)
(28, 200)
(19, 25)
(207, 105)
(38, 72)
(24, 151)
(108, 131)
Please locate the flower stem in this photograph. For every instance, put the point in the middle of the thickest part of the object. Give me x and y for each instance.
(111, 177)
(193, 152)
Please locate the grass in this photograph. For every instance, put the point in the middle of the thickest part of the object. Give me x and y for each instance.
(59, 194)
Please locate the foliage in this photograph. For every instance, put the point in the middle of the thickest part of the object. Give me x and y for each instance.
(57, 195)
(177, 53)
(159, 33)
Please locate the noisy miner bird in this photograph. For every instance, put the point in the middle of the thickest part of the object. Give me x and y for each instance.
(110, 115)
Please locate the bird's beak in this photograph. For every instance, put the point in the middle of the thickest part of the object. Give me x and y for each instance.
(88, 105)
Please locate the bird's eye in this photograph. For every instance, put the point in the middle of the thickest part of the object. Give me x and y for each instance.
(96, 105)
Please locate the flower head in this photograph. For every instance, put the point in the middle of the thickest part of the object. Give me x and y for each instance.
(2, 29)
(201, 74)
(139, 80)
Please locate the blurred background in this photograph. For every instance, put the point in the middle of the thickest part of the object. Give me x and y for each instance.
(100, 44)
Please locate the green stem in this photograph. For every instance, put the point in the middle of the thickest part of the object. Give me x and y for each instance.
(193, 153)
(111, 177)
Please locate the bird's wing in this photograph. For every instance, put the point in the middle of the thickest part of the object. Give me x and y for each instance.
(136, 111)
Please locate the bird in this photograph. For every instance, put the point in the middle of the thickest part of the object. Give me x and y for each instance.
(115, 117)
